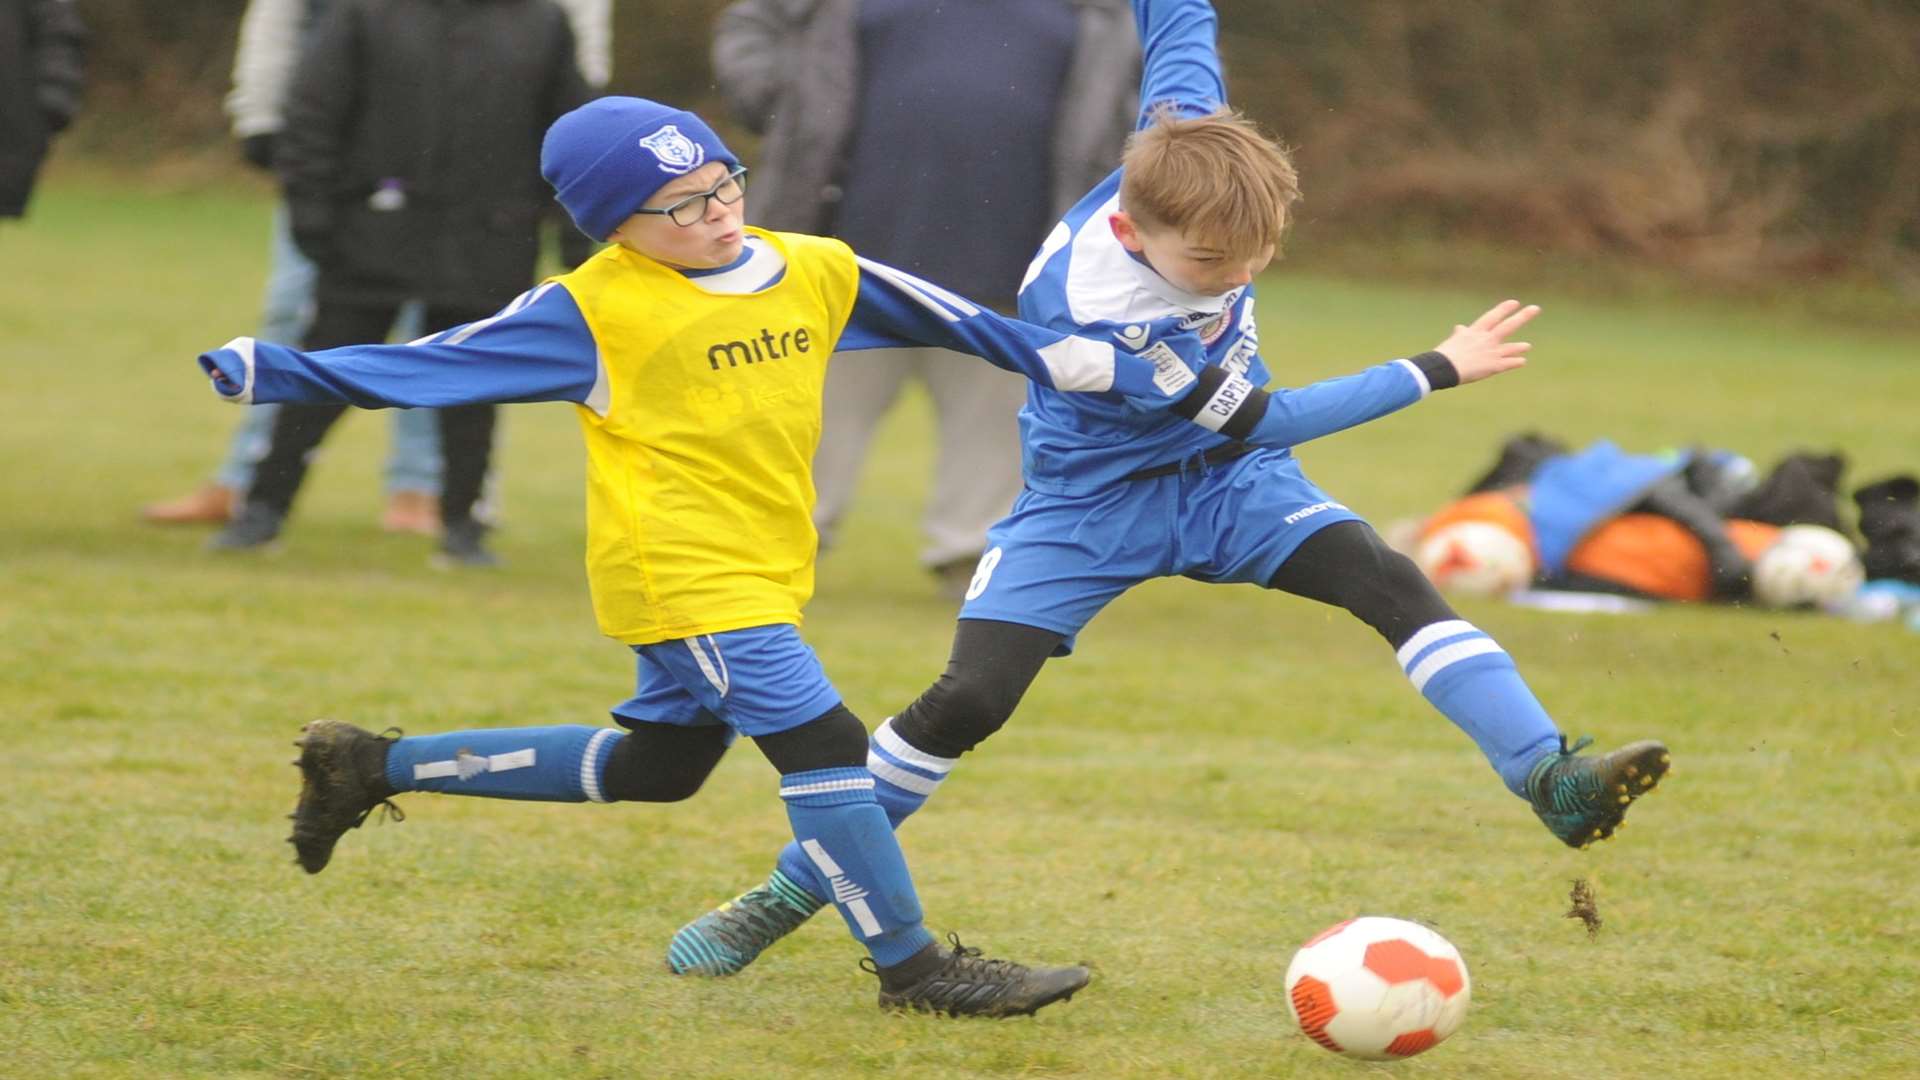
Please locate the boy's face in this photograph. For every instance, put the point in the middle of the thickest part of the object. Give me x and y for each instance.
(1188, 264)
(712, 241)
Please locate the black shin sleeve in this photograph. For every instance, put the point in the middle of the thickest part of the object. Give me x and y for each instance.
(663, 762)
(992, 665)
(836, 739)
(1349, 566)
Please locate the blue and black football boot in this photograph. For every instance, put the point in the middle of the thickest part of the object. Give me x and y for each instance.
(1583, 799)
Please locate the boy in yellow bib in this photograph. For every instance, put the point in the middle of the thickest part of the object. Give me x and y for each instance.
(695, 350)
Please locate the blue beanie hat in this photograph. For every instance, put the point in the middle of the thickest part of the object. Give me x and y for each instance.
(607, 157)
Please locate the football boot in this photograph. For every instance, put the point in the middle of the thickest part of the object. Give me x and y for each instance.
(728, 938)
(1583, 799)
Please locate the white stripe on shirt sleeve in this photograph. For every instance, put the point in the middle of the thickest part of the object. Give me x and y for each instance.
(922, 292)
(1419, 377)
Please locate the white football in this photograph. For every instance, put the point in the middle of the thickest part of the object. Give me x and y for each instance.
(1476, 558)
(1378, 988)
(1807, 565)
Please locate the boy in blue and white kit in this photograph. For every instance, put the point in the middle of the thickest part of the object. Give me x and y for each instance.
(1159, 259)
(695, 350)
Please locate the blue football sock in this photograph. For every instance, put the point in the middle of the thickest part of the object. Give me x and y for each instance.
(1471, 679)
(563, 763)
(903, 779)
(842, 832)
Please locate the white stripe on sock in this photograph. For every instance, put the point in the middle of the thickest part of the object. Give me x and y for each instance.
(882, 769)
(589, 779)
(846, 892)
(857, 784)
(862, 914)
(820, 858)
(892, 743)
(1447, 657)
(1431, 633)
(434, 770)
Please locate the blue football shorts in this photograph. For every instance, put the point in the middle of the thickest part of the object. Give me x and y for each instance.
(757, 681)
(1056, 560)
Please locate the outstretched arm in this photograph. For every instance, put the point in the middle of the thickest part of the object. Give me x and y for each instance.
(1226, 402)
(537, 348)
(893, 309)
(1182, 58)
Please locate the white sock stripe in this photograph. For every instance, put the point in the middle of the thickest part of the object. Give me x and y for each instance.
(894, 745)
(1444, 658)
(882, 769)
(468, 766)
(1432, 634)
(820, 858)
(589, 778)
(864, 783)
(846, 892)
(876, 752)
(862, 914)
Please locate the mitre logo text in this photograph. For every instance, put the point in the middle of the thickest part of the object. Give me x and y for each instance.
(769, 345)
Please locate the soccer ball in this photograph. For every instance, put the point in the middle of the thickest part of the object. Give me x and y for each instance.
(1378, 988)
(1807, 565)
(1477, 558)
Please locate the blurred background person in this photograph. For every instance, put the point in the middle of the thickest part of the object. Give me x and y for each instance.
(942, 138)
(271, 35)
(409, 154)
(43, 52)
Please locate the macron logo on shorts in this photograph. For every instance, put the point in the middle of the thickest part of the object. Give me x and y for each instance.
(1309, 511)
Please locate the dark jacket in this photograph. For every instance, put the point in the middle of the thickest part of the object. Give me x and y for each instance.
(42, 66)
(411, 146)
(787, 69)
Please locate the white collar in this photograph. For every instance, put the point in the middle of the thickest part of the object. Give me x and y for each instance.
(760, 265)
(1151, 280)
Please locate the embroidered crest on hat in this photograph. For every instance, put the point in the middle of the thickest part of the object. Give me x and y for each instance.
(675, 152)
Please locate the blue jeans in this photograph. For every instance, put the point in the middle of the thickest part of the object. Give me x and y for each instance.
(413, 460)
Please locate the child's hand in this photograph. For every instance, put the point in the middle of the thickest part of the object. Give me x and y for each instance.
(1482, 349)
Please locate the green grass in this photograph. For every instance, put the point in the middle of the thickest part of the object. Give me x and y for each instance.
(1217, 774)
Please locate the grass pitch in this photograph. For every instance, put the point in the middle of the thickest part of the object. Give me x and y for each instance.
(1217, 774)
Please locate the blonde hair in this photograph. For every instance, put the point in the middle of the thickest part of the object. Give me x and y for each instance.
(1217, 179)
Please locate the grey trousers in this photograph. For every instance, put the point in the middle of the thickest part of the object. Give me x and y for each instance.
(976, 469)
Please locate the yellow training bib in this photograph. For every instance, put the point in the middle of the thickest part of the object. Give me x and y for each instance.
(699, 477)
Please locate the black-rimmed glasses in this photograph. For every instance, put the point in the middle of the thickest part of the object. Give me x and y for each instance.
(693, 208)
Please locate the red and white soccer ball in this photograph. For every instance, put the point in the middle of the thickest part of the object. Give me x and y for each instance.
(1809, 565)
(1378, 988)
(1475, 558)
